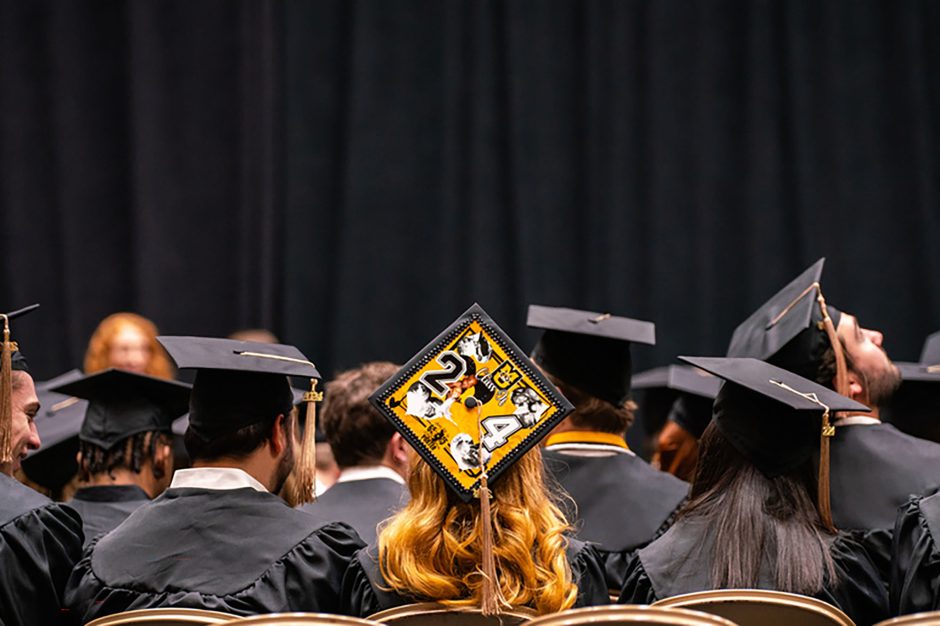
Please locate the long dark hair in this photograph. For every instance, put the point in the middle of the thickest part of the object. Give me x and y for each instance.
(754, 517)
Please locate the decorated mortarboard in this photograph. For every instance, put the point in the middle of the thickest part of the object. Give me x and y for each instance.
(11, 359)
(915, 407)
(776, 419)
(57, 423)
(588, 350)
(240, 383)
(122, 404)
(471, 384)
(793, 329)
(678, 393)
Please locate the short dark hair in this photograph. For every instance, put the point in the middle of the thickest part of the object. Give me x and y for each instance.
(237, 444)
(357, 433)
(593, 412)
(129, 453)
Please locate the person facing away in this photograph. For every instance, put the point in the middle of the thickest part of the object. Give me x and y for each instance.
(218, 538)
(622, 503)
(372, 456)
(40, 541)
(797, 331)
(125, 448)
(756, 518)
(432, 549)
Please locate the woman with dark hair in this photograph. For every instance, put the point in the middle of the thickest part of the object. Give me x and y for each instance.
(757, 517)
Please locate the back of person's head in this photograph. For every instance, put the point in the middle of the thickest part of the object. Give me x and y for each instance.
(237, 444)
(593, 413)
(133, 453)
(753, 517)
(357, 433)
(433, 548)
(127, 341)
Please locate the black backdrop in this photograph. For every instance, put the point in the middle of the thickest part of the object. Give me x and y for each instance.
(353, 175)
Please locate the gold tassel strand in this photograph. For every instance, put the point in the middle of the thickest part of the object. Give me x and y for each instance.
(828, 430)
(299, 487)
(6, 393)
(491, 597)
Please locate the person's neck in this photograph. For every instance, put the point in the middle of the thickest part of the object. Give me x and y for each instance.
(122, 477)
(252, 466)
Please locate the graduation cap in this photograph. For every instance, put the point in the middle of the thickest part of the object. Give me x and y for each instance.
(471, 403)
(678, 393)
(588, 350)
(793, 329)
(775, 418)
(58, 422)
(240, 383)
(122, 404)
(11, 359)
(915, 406)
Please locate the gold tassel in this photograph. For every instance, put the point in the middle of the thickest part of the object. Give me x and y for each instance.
(828, 430)
(6, 395)
(299, 488)
(491, 597)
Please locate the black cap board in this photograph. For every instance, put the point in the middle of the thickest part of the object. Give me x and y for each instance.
(587, 349)
(787, 330)
(678, 393)
(122, 404)
(238, 383)
(928, 368)
(915, 407)
(58, 422)
(17, 359)
(770, 415)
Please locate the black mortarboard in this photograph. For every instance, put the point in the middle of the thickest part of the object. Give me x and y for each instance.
(930, 355)
(915, 407)
(122, 404)
(788, 330)
(57, 423)
(588, 350)
(679, 393)
(11, 359)
(769, 414)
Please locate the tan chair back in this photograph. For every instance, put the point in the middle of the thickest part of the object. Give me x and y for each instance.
(631, 615)
(931, 618)
(163, 617)
(758, 607)
(302, 619)
(433, 614)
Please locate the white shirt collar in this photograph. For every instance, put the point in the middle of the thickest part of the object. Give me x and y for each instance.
(855, 420)
(222, 478)
(351, 474)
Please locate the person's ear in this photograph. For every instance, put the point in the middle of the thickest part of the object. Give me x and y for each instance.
(162, 459)
(857, 389)
(280, 435)
(401, 450)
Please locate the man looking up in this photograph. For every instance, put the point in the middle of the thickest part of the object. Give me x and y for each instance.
(218, 538)
(39, 540)
(372, 455)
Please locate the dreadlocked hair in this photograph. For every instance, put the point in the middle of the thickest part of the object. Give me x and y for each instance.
(130, 453)
(433, 548)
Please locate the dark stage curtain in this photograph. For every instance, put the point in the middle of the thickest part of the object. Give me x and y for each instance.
(353, 175)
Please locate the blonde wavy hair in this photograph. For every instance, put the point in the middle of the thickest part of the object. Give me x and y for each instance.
(433, 548)
(99, 346)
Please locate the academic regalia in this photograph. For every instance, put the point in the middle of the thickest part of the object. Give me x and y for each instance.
(775, 420)
(622, 503)
(237, 551)
(679, 562)
(914, 408)
(886, 467)
(104, 507)
(40, 541)
(915, 557)
(360, 503)
(365, 591)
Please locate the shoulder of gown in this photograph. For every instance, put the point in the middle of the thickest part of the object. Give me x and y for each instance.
(859, 589)
(637, 586)
(915, 562)
(587, 572)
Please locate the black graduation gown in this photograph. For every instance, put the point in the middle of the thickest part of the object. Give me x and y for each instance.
(680, 562)
(40, 541)
(237, 551)
(873, 470)
(915, 557)
(622, 503)
(360, 503)
(365, 591)
(103, 508)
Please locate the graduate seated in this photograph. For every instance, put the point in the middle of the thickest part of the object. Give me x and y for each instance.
(219, 538)
(622, 503)
(373, 457)
(462, 540)
(125, 453)
(40, 541)
(758, 515)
